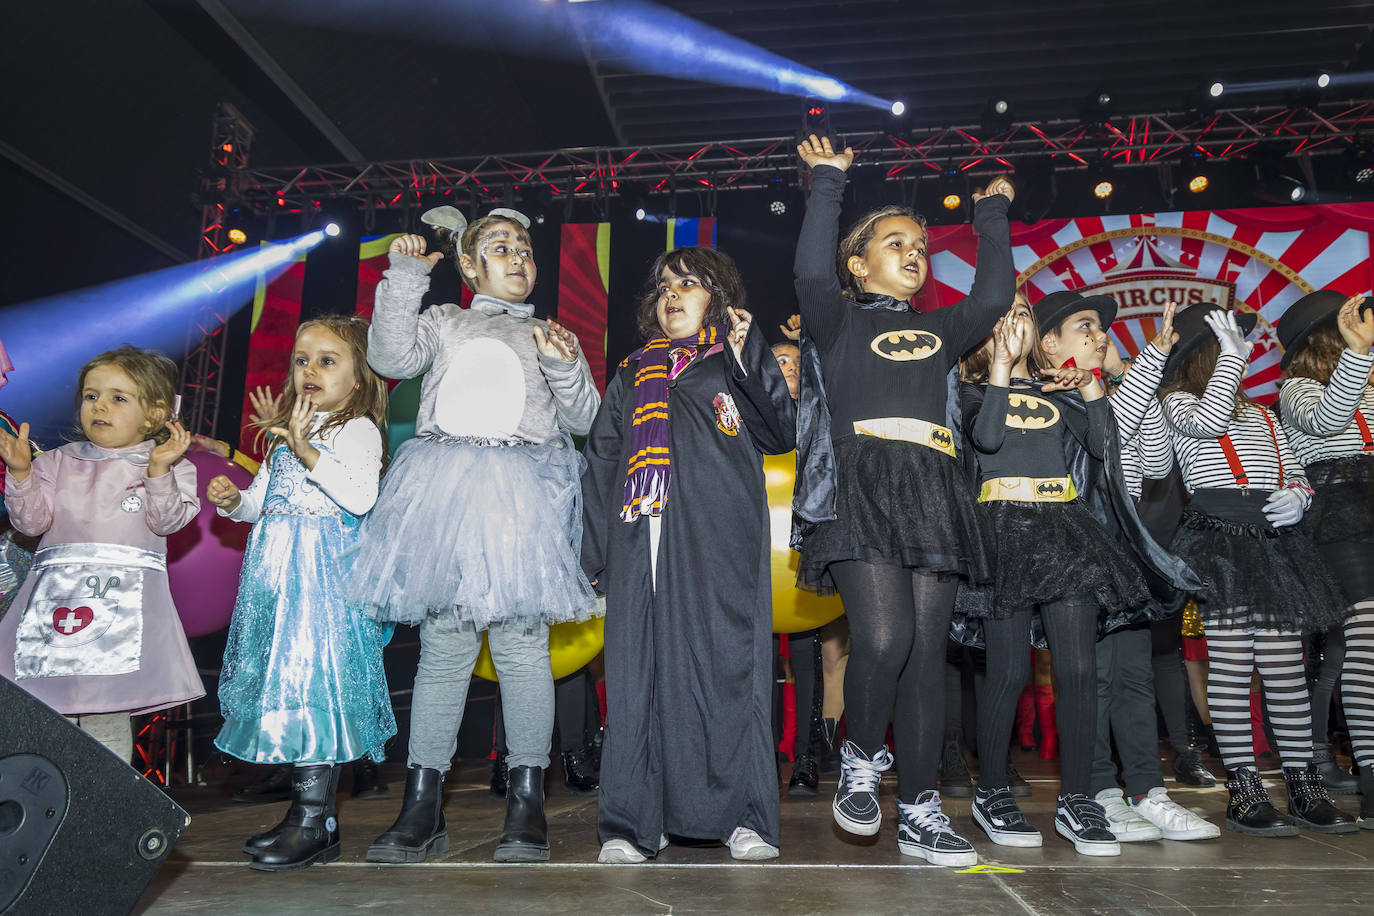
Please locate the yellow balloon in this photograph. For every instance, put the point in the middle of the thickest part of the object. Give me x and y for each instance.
(571, 645)
(794, 610)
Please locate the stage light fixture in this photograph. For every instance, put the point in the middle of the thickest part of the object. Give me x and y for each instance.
(238, 236)
(1215, 90)
(332, 229)
(640, 213)
(1323, 80)
(1298, 192)
(952, 202)
(898, 109)
(997, 116)
(1104, 99)
(1103, 189)
(1198, 183)
(777, 208)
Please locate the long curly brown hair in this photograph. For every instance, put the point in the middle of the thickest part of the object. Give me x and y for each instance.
(1316, 358)
(369, 400)
(1195, 371)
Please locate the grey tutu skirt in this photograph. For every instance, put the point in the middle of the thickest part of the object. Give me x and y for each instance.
(476, 533)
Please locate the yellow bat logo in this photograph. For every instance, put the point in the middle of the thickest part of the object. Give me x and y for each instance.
(904, 346)
(1049, 488)
(941, 438)
(1026, 411)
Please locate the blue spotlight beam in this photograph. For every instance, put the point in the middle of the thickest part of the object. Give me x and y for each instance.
(630, 34)
(50, 339)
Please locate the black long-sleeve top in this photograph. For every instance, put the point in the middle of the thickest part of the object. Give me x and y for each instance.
(881, 362)
(1019, 432)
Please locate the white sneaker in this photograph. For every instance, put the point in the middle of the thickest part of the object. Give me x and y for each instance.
(1174, 821)
(620, 852)
(747, 845)
(1123, 820)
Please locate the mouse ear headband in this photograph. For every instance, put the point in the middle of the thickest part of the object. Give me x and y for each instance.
(445, 217)
(508, 213)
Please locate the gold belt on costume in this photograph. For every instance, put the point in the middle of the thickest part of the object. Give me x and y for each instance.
(908, 429)
(1028, 489)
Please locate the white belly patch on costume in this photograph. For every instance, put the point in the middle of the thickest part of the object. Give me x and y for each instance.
(483, 391)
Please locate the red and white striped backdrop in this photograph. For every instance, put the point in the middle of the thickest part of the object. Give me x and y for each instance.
(1258, 260)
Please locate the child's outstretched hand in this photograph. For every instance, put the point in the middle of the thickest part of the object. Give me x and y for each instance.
(1067, 378)
(296, 435)
(162, 457)
(999, 185)
(740, 321)
(557, 343)
(222, 492)
(415, 246)
(1166, 338)
(1356, 325)
(792, 328)
(265, 404)
(17, 453)
(818, 151)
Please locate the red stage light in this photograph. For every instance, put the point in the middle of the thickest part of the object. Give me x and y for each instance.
(816, 111)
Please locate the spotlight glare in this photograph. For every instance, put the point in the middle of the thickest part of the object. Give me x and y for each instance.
(1324, 80)
(238, 236)
(331, 229)
(1197, 184)
(898, 109)
(1104, 99)
(1364, 175)
(952, 202)
(1001, 106)
(1297, 194)
(640, 214)
(1215, 90)
(777, 208)
(1103, 189)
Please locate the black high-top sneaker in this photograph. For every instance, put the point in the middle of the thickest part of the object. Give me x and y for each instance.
(955, 780)
(1250, 811)
(420, 830)
(1336, 780)
(310, 833)
(923, 831)
(856, 798)
(1081, 820)
(1310, 806)
(996, 811)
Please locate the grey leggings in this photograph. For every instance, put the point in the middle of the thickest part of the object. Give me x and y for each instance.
(447, 656)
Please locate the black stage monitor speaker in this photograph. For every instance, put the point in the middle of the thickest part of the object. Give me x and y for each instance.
(80, 830)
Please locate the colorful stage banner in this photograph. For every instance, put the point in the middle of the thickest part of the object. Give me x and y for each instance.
(276, 315)
(696, 232)
(584, 278)
(1259, 260)
(372, 260)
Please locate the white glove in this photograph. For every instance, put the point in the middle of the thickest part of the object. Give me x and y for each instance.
(1283, 507)
(1232, 338)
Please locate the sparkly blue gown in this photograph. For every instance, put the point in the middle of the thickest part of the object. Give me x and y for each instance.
(302, 680)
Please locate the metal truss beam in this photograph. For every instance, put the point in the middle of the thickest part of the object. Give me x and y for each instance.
(1147, 139)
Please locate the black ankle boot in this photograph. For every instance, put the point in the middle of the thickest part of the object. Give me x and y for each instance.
(1336, 780)
(805, 780)
(367, 781)
(420, 830)
(1190, 771)
(1367, 802)
(273, 787)
(525, 836)
(1250, 811)
(830, 746)
(955, 781)
(500, 774)
(1309, 804)
(577, 773)
(594, 745)
(310, 833)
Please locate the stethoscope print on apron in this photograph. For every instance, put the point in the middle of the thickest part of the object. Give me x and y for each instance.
(85, 614)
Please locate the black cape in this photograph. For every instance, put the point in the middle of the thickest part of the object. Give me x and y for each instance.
(688, 748)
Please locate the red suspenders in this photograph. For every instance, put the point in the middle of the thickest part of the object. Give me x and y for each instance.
(1363, 424)
(1228, 449)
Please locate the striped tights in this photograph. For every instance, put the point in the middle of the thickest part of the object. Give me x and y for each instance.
(1233, 655)
(1357, 680)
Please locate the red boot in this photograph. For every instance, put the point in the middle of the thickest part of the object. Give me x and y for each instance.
(1049, 731)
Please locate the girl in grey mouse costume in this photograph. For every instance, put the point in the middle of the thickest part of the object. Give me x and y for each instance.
(479, 520)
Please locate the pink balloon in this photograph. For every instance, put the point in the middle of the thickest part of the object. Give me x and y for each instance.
(204, 558)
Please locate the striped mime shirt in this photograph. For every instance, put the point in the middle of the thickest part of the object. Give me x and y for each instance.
(1145, 447)
(1320, 419)
(1197, 424)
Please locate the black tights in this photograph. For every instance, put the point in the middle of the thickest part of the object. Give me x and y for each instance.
(1325, 657)
(1071, 630)
(898, 624)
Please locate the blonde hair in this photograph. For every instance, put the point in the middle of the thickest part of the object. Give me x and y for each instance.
(367, 400)
(855, 242)
(153, 374)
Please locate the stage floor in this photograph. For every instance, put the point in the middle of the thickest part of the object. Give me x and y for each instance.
(822, 870)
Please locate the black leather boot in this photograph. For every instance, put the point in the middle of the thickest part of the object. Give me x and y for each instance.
(1309, 804)
(578, 775)
(1250, 811)
(1336, 780)
(420, 830)
(1367, 802)
(955, 780)
(367, 781)
(499, 775)
(594, 745)
(830, 746)
(525, 836)
(805, 779)
(275, 786)
(1190, 771)
(310, 833)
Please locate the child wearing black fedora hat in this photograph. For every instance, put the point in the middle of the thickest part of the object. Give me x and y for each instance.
(1266, 583)
(1326, 404)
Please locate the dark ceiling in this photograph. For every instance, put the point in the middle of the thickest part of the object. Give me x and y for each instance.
(113, 98)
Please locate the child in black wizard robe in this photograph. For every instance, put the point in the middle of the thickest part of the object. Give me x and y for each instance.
(676, 534)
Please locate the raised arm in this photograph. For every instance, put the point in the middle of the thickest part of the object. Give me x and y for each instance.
(818, 286)
(1153, 445)
(1318, 411)
(1207, 417)
(1135, 396)
(29, 499)
(172, 502)
(400, 343)
(766, 408)
(994, 276)
(348, 472)
(565, 369)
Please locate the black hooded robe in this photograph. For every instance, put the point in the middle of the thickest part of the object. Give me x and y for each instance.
(688, 748)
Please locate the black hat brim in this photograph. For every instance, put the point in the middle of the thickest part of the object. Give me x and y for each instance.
(1329, 308)
(1104, 306)
(1196, 337)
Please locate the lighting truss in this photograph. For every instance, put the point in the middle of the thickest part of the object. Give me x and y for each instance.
(590, 173)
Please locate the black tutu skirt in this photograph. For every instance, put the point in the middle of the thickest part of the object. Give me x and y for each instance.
(901, 504)
(1047, 552)
(1343, 506)
(1260, 577)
